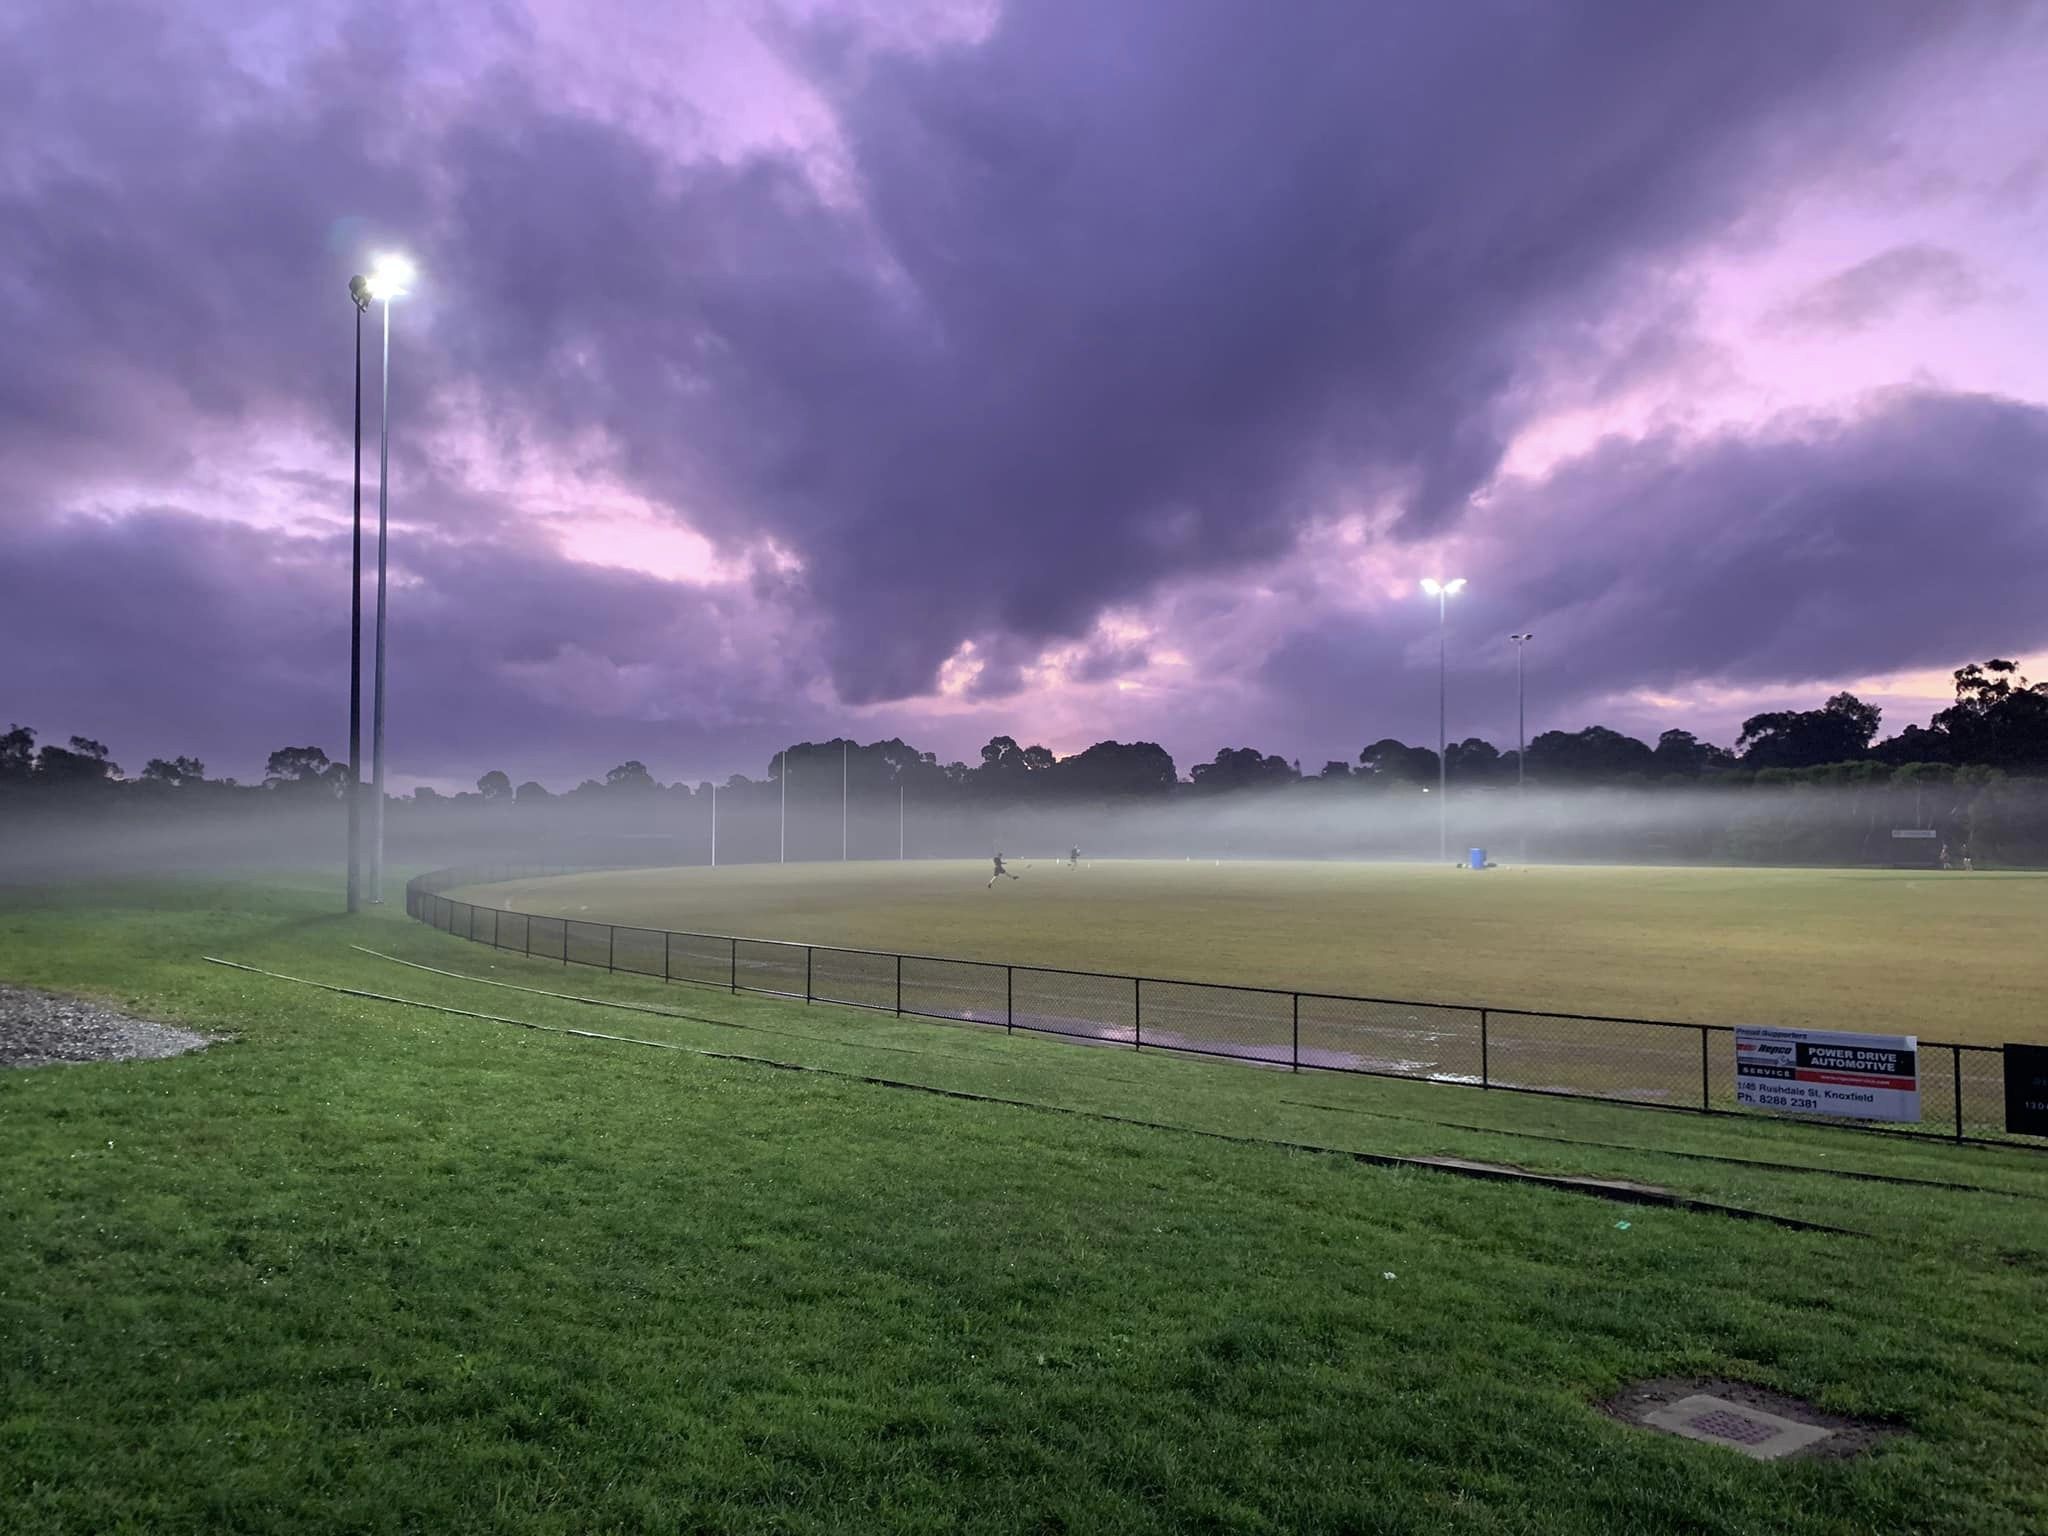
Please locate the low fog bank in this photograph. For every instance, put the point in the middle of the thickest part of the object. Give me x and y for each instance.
(1794, 825)
(1996, 823)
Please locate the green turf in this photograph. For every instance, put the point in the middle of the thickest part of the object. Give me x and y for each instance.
(1946, 956)
(374, 1269)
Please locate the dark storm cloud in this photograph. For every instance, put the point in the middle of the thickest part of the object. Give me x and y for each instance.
(1128, 285)
(1906, 537)
(163, 633)
(1120, 295)
(164, 225)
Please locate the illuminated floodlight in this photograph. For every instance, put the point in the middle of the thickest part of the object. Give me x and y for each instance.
(1437, 588)
(391, 277)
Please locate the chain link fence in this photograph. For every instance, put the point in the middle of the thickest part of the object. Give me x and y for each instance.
(1633, 1061)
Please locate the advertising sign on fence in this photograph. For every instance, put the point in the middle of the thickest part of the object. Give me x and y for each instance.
(1828, 1072)
(2026, 1089)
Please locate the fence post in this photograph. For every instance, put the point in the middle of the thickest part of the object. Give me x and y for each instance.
(1137, 1013)
(611, 944)
(735, 967)
(899, 986)
(1297, 1031)
(1956, 1078)
(529, 936)
(1009, 998)
(1706, 1092)
(1485, 1066)
(668, 943)
(807, 972)
(494, 927)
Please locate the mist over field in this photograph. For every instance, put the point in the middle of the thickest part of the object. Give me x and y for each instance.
(1851, 825)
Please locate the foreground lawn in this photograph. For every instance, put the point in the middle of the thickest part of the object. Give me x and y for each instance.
(371, 1268)
(1950, 957)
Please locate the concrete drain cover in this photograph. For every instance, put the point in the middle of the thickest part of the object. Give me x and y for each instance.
(1751, 1431)
(1752, 1421)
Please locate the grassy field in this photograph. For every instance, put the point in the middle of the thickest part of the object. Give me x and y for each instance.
(1948, 957)
(366, 1267)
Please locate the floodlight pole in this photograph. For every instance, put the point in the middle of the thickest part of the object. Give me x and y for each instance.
(1521, 748)
(844, 745)
(899, 823)
(1443, 778)
(377, 715)
(359, 301)
(714, 826)
(782, 777)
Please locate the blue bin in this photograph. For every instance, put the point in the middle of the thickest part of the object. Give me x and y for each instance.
(1478, 857)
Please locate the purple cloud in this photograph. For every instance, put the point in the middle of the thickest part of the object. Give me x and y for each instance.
(1107, 310)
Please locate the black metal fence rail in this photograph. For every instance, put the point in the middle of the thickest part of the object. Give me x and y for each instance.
(1655, 1062)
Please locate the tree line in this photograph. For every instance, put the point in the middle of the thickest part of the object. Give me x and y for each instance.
(1989, 747)
(1999, 721)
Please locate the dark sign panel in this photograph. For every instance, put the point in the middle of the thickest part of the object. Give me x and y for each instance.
(2026, 1089)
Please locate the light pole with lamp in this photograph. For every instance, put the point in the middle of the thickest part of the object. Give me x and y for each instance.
(1521, 748)
(359, 295)
(1441, 591)
(390, 279)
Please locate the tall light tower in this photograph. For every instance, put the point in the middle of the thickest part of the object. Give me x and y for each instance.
(391, 278)
(782, 836)
(359, 295)
(1521, 748)
(1441, 591)
(845, 745)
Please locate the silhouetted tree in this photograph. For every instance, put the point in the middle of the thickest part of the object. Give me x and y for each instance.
(85, 763)
(1114, 770)
(1241, 768)
(1472, 761)
(174, 771)
(630, 777)
(1680, 754)
(1840, 731)
(1396, 762)
(1592, 756)
(304, 770)
(532, 792)
(495, 785)
(17, 753)
(1998, 719)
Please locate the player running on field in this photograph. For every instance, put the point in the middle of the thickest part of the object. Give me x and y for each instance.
(1074, 857)
(1000, 874)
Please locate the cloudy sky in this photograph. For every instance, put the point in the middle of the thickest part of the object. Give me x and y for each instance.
(1070, 368)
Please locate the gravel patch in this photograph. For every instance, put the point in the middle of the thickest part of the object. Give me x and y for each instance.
(42, 1029)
